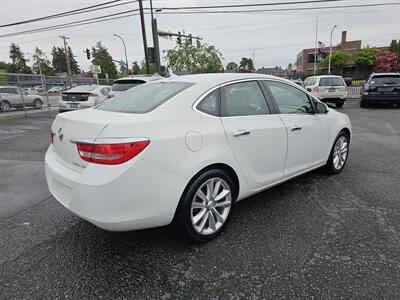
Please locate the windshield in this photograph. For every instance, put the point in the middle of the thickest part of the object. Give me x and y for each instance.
(388, 79)
(123, 85)
(144, 98)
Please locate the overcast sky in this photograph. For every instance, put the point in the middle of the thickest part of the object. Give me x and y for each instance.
(274, 37)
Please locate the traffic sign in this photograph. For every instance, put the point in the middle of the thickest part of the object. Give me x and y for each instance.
(95, 69)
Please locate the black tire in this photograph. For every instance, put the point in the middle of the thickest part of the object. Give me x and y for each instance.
(37, 104)
(363, 103)
(183, 218)
(5, 106)
(330, 165)
(339, 103)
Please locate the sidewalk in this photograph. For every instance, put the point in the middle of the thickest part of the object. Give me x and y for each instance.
(22, 114)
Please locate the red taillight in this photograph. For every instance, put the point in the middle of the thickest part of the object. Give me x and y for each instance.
(52, 134)
(111, 154)
(93, 95)
(366, 87)
(315, 89)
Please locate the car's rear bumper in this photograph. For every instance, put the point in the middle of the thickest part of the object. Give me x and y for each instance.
(134, 195)
(395, 99)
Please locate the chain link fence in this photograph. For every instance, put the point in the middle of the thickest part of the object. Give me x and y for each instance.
(32, 91)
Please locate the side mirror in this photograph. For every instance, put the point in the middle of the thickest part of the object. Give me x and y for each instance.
(309, 89)
(321, 108)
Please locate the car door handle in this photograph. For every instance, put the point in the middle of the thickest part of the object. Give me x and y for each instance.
(296, 128)
(241, 132)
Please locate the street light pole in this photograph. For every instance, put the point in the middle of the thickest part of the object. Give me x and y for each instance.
(330, 51)
(126, 56)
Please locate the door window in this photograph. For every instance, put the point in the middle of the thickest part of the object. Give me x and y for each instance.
(244, 99)
(290, 100)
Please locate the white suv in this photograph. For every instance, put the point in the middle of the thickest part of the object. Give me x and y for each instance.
(327, 88)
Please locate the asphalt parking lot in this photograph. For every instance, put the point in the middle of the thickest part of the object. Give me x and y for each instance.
(317, 236)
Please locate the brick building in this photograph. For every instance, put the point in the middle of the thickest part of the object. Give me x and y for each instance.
(305, 59)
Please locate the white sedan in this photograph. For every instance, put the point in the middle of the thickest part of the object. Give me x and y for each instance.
(184, 150)
(83, 96)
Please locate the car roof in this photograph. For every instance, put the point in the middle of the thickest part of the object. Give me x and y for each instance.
(219, 78)
(79, 88)
(7, 86)
(386, 74)
(143, 78)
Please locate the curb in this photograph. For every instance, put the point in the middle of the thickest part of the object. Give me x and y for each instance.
(23, 114)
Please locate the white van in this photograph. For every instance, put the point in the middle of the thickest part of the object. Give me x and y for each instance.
(327, 88)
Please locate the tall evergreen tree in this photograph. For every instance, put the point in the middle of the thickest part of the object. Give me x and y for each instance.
(103, 58)
(18, 61)
(59, 63)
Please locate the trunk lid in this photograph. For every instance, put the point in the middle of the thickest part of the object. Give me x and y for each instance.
(75, 96)
(86, 125)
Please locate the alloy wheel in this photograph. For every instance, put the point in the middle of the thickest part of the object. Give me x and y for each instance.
(211, 206)
(340, 152)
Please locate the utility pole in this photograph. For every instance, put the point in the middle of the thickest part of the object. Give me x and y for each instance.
(330, 51)
(156, 44)
(67, 57)
(146, 54)
(315, 49)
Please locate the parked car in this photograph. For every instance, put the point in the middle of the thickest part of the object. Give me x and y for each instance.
(10, 97)
(298, 82)
(327, 88)
(381, 88)
(83, 96)
(184, 150)
(55, 89)
(121, 85)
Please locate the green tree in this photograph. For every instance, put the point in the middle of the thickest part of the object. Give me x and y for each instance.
(395, 47)
(135, 68)
(18, 61)
(232, 66)
(339, 59)
(366, 57)
(103, 58)
(152, 67)
(39, 57)
(59, 62)
(246, 65)
(194, 58)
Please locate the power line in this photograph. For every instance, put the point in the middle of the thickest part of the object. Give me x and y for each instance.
(277, 9)
(246, 5)
(104, 18)
(100, 7)
(66, 25)
(62, 14)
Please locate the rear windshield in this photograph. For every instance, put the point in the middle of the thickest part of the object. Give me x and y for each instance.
(332, 81)
(388, 79)
(123, 85)
(144, 98)
(83, 88)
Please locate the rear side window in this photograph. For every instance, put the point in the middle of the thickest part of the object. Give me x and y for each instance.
(144, 98)
(387, 79)
(210, 103)
(123, 85)
(244, 99)
(331, 81)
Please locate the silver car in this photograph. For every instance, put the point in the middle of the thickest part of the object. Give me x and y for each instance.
(15, 97)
